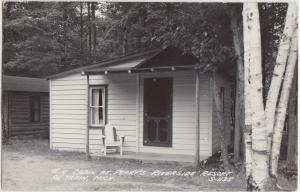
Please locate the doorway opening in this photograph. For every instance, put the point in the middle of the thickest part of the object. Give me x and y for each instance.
(158, 112)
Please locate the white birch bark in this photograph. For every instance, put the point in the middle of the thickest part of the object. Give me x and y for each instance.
(279, 68)
(247, 131)
(252, 48)
(283, 103)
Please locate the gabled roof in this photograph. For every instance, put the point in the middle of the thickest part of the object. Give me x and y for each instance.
(127, 61)
(164, 60)
(14, 83)
(159, 59)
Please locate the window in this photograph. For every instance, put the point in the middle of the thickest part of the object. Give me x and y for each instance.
(34, 109)
(97, 106)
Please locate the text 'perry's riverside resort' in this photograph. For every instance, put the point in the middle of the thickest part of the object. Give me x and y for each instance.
(108, 175)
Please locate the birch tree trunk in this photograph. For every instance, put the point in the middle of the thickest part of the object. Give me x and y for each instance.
(248, 126)
(279, 68)
(283, 103)
(252, 51)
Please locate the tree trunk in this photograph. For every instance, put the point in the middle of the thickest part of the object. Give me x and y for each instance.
(239, 101)
(89, 33)
(94, 29)
(248, 126)
(279, 68)
(252, 51)
(81, 33)
(65, 18)
(283, 103)
(5, 116)
(220, 116)
(142, 23)
(197, 147)
(292, 123)
(237, 125)
(125, 39)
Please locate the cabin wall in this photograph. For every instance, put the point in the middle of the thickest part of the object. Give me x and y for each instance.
(184, 114)
(68, 113)
(69, 109)
(222, 82)
(19, 122)
(125, 111)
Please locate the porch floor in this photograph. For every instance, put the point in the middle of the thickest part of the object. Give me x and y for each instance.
(153, 157)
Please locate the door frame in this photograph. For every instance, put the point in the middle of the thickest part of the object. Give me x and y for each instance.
(170, 134)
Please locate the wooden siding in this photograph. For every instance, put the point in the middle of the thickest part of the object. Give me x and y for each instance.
(125, 111)
(19, 114)
(69, 111)
(221, 82)
(184, 111)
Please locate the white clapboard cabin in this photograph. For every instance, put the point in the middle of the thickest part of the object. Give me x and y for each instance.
(25, 106)
(151, 98)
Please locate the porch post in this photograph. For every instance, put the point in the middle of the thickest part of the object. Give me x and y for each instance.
(137, 111)
(197, 162)
(87, 150)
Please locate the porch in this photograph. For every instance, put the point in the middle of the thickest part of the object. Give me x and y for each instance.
(187, 160)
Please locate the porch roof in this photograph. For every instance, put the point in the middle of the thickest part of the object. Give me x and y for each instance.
(127, 61)
(28, 84)
(168, 59)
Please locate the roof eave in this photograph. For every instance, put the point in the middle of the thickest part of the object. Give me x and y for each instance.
(142, 70)
(105, 63)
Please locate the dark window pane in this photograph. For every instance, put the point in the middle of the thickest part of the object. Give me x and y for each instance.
(34, 109)
(96, 97)
(163, 130)
(152, 130)
(97, 115)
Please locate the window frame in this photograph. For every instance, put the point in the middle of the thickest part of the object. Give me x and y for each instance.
(32, 111)
(104, 105)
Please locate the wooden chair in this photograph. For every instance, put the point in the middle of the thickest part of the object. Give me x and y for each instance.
(112, 139)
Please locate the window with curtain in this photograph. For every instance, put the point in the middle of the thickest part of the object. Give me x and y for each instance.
(97, 106)
(34, 109)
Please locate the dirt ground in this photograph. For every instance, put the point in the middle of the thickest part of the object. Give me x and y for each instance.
(30, 165)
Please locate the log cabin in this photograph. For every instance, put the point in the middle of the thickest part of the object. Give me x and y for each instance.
(160, 100)
(25, 106)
